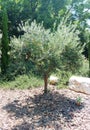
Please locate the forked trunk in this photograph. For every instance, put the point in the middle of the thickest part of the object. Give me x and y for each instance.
(45, 83)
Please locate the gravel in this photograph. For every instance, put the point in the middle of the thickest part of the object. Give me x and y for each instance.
(32, 110)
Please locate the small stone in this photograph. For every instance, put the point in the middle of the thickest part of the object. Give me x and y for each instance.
(53, 80)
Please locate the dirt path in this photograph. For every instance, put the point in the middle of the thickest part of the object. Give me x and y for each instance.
(32, 110)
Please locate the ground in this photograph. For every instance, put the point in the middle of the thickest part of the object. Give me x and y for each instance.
(32, 110)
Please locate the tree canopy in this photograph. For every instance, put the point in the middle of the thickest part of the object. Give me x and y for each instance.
(49, 11)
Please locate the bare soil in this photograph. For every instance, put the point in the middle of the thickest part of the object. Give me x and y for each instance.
(33, 110)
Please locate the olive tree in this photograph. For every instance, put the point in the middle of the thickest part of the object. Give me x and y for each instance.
(43, 47)
(36, 45)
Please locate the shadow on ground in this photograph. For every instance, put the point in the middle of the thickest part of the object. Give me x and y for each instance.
(43, 109)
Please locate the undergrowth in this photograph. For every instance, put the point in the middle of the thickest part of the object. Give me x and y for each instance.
(22, 82)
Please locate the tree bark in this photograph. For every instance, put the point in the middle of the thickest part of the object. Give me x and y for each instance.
(45, 83)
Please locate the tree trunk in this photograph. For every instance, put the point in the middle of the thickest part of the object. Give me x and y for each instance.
(45, 83)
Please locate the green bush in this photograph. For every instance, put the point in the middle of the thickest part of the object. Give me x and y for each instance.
(72, 58)
(63, 77)
(84, 70)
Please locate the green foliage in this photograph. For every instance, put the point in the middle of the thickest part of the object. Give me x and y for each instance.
(72, 58)
(22, 82)
(78, 101)
(38, 47)
(0, 37)
(42, 51)
(84, 70)
(45, 50)
(87, 37)
(0, 48)
(80, 16)
(4, 43)
(21, 10)
(49, 11)
(16, 66)
(64, 76)
(89, 56)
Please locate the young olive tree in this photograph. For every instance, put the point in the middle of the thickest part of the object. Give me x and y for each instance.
(37, 46)
(43, 47)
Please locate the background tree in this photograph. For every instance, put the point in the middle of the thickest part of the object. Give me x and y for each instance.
(80, 14)
(4, 42)
(89, 54)
(39, 10)
(0, 47)
(87, 36)
(47, 11)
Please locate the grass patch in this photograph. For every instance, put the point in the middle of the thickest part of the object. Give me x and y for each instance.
(26, 82)
(61, 86)
(22, 82)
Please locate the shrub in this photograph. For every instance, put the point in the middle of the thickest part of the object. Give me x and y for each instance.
(84, 70)
(72, 58)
